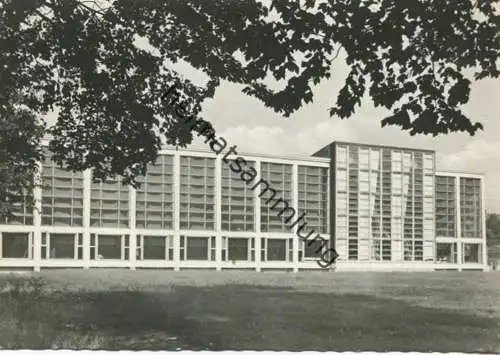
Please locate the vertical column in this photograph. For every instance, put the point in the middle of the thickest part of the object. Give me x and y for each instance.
(132, 248)
(177, 205)
(329, 207)
(458, 218)
(37, 219)
(87, 183)
(483, 223)
(295, 205)
(217, 211)
(256, 197)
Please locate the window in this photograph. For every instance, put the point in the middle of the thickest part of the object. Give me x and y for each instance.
(470, 208)
(276, 249)
(62, 195)
(154, 247)
(197, 196)
(17, 245)
(353, 249)
(109, 246)
(109, 204)
(341, 156)
(446, 253)
(364, 158)
(237, 201)
(154, 201)
(278, 178)
(237, 249)
(313, 248)
(381, 250)
(313, 196)
(21, 213)
(197, 248)
(471, 253)
(62, 246)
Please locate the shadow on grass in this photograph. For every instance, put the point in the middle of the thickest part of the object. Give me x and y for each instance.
(256, 318)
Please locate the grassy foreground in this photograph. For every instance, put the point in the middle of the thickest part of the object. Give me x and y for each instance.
(194, 310)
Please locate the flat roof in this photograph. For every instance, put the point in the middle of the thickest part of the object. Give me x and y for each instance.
(460, 173)
(367, 145)
(256, 155)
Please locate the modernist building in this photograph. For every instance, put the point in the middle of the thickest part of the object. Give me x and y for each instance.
(381, 207)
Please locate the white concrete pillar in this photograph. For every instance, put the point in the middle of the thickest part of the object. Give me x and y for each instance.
(177, 205)
(132, 247)
(87, 183)
(483, 223)
(218, 212)
(37, 218)
(458, 218)
(256, 197)
(295, 205)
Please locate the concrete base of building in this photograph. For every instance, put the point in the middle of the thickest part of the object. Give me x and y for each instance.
(342, 266)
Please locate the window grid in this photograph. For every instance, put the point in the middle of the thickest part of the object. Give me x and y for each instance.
(62, 196)
(197, 194)
(237, 205)
(109, 204)
(382, 196)
(445, 206)
(470, 207)
(154, 201)
(313, 196)
(279, 178)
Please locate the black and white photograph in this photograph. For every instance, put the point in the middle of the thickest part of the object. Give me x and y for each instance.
(250, 175)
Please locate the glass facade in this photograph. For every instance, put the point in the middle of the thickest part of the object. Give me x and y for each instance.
(384, 203)
(62, 196)
(279, 179)
(21, 215)
(313, 197)
(238, 203)
(197, 193)
(109, 204)
(470, 208)
(155, 197)
(446, 212)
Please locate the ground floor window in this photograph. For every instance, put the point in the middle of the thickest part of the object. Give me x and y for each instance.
(197, 248)
(17, 245)
(109, 247)
(353, 249)
(238, 249)
(381, 249)
(471, 253)
(155, 247)
(413, 250)
(313, 248)
(274, 249)
(446, 253)
(62, 245)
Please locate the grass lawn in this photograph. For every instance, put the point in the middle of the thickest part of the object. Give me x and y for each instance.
(193, 310)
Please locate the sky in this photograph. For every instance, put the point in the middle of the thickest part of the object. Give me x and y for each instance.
(245, 121)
